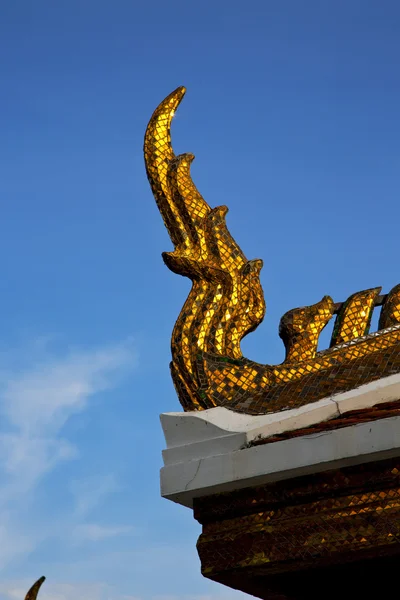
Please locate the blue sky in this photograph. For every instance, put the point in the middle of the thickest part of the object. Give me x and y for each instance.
(292, 112)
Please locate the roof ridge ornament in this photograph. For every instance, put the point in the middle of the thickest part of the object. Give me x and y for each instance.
(226, 303)
(33, 592)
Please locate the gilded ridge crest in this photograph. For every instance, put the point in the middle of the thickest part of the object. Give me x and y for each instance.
(226, 303)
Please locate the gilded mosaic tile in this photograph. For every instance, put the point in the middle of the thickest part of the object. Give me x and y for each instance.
(332, 516)
(226, 303)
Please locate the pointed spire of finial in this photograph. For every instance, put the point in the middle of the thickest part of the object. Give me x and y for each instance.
(33, 592)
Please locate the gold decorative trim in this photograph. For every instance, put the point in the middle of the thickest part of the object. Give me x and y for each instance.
(271, 533)
(226, 303)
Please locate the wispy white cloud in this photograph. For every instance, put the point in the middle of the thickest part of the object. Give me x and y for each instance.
(93, 532)
(36, 402)
(89, 492)
(39, 400)
(226, 594)
(60, 591)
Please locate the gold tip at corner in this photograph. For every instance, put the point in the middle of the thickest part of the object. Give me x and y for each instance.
(33, 592)
(174, 97)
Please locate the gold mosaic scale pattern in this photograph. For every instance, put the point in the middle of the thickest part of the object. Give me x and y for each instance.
(226, 302)
(317, 520)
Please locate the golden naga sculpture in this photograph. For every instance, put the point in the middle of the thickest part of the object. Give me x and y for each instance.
(33, 592)
(226, 303)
